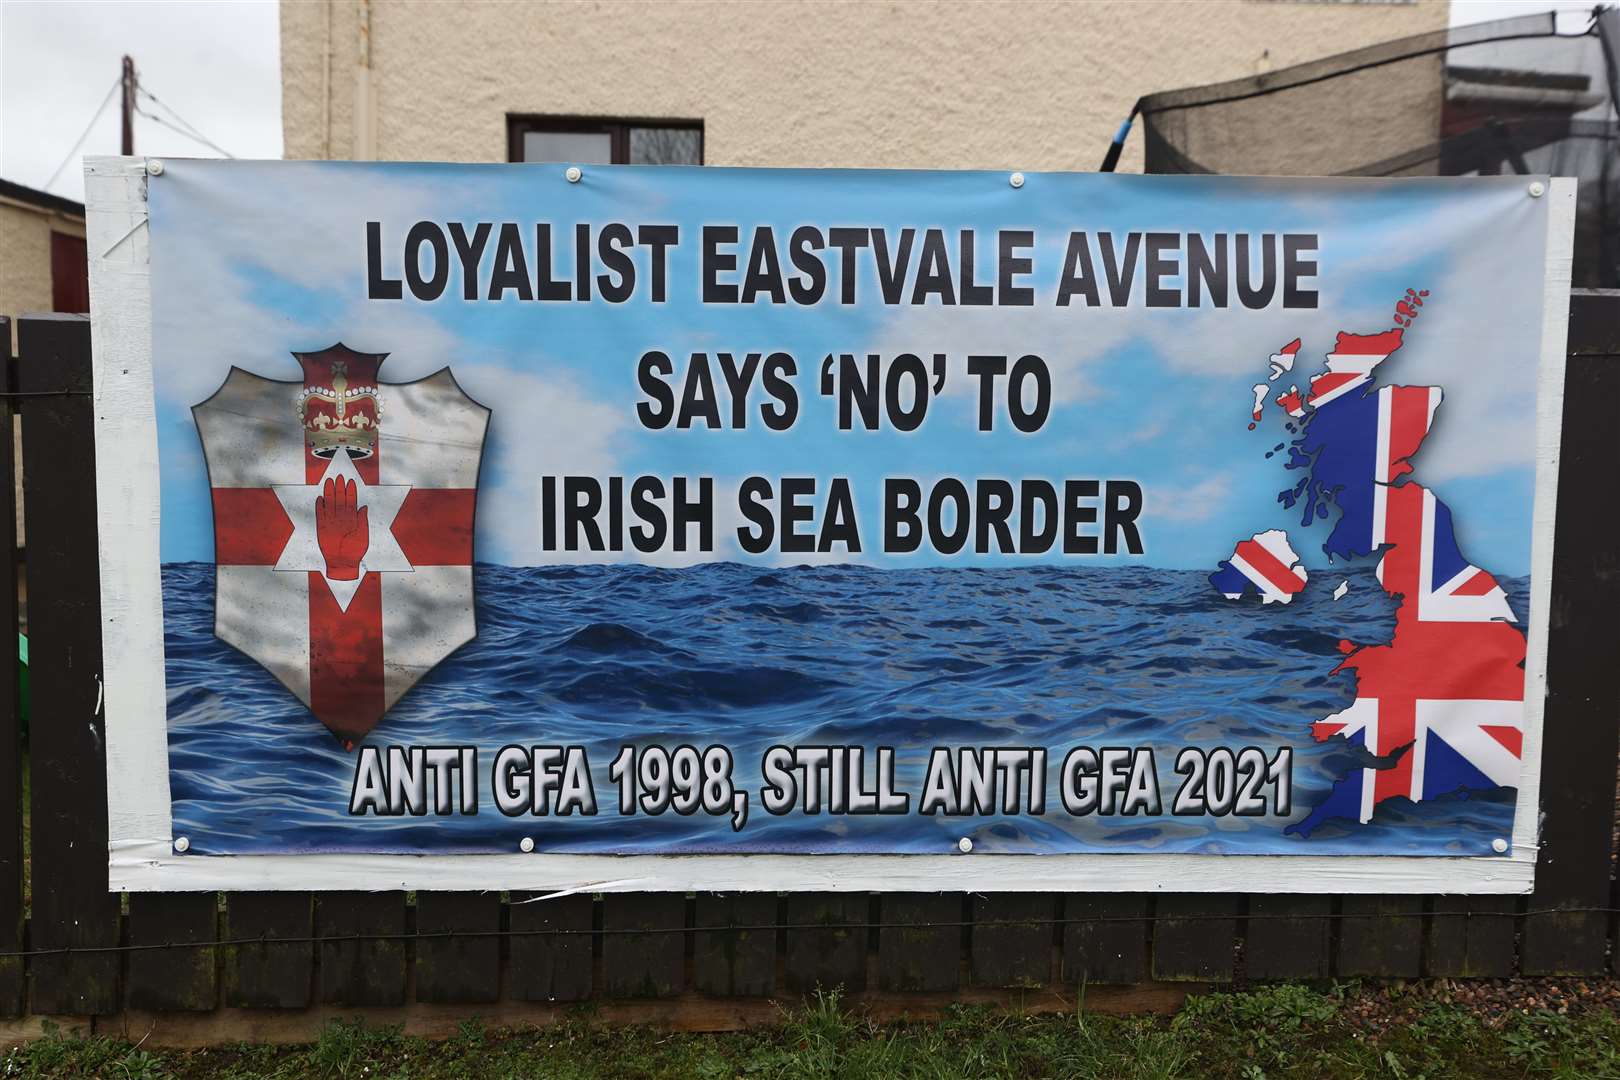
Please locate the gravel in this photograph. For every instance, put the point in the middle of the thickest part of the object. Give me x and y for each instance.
(1493, 1000)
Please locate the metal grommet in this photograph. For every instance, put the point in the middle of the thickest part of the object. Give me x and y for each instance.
(964, 845)
(154, 166)
(1537, 189)
(182, 844)
(1016, 179)
(573, 174)
(1499, 845)
(526, 844)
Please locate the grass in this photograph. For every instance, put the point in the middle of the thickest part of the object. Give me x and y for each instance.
(1285, 1031)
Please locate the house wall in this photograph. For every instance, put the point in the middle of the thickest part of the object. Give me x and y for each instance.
(897, 85)
(25, 265)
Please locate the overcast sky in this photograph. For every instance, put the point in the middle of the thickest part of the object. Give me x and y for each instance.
(218, 66)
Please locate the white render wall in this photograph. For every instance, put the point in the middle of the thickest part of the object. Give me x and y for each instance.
(900, 84)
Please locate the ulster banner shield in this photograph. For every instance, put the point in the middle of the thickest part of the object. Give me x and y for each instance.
(343, 528)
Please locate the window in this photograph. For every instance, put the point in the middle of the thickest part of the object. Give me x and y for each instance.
(70, 274)
(581, 141)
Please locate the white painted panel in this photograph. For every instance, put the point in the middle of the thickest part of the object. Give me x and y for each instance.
(117, 243)
(152, 867)
(1549, 435)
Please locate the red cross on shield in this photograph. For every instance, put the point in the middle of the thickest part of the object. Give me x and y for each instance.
(343, 528)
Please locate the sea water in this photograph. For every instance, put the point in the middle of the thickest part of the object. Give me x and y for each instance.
(749, 657)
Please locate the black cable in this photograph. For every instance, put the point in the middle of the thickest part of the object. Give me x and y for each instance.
(156, 119)
(111, 90)
(190, 130)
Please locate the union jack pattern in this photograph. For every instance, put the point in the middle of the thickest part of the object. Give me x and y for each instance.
(1440, 706)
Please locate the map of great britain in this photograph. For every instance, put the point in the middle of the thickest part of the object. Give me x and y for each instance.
(1439, 708)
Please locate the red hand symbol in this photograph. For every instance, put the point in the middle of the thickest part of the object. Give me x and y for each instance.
(342, 528)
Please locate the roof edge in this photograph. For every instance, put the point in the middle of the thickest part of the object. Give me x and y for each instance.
(44, 200)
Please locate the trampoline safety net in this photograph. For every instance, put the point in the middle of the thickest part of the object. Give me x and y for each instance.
(1511, 96)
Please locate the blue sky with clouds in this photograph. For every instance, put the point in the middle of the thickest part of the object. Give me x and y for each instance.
(252, 261)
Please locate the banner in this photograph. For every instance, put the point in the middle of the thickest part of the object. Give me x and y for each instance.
(531, 526)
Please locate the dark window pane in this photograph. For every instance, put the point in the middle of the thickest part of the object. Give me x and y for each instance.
(580, 147)
(666, 146)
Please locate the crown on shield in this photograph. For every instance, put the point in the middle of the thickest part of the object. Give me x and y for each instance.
(338, 405)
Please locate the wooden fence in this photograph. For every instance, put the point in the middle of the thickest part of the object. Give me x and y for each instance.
(76, 950)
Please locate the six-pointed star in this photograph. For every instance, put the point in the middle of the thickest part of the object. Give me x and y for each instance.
(303, 550)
